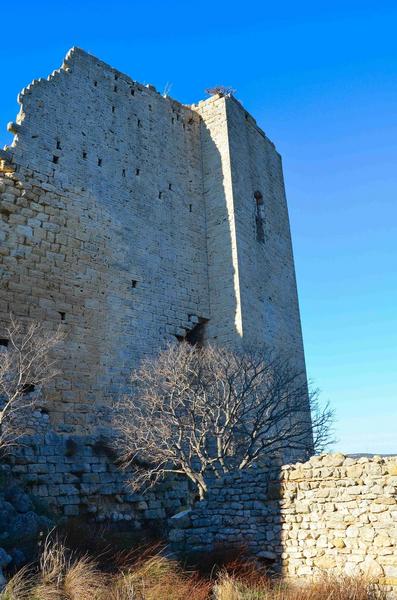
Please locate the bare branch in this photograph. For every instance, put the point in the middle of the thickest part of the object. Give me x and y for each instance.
(26, 365)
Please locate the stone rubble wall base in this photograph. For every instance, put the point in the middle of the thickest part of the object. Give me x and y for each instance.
(332, 514)
(78, 474)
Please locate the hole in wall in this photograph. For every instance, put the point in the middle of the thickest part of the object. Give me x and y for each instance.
(134, 283)
(62, 315)
(190, 208)
(160, 193)
(116, 77)
(58, 145)
(55, 159)
(95, 83)
(195, 336)
(123, 172)
(84, 155)
(132, 92)
(27, 388)
(139, 123)
(137, 171)
(4, 342)
(113, 109)
(115, 88)
(99, 162)
(150, 107)
(170, 186)
(173, 120)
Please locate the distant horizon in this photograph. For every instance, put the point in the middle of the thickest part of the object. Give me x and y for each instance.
(320, 81)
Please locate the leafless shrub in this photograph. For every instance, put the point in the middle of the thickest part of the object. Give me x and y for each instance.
(221, 90)
(206, 411)
(26, 365)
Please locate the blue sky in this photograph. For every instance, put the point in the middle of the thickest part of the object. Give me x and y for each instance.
(320, 79)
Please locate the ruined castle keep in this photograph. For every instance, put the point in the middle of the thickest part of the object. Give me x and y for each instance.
(133, 220)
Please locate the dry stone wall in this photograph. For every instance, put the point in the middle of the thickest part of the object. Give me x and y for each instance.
(332, 513)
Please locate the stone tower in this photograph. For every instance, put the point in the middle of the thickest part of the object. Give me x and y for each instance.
(134, 220)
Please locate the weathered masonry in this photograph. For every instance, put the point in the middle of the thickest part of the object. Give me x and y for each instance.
(330, 514)
(133, 220)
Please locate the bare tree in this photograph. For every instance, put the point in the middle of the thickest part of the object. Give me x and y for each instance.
(202, 412)
(26, 364)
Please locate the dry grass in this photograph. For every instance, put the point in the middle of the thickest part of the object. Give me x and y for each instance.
(61, 575)
(326, 588)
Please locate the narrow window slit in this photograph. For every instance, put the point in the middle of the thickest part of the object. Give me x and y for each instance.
(113, 109)
(84, 155)
(123, 172)
(62, 315)
(55, 159)
(132, 92)
(170, 186)
(190, 208)
(137, 171)
(58, 145)
(160, 193)
(134, 283)
(99, 162)
(95, 83)
(115, 88)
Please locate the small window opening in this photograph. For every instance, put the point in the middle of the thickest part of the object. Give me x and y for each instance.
(58, 145)
(116, 77)
(134, 283)
(115, 88)
(160, 194)
(137, 171)
(55, 159)
(123, 172)
(173, 120)
(184, 126)
(177, 116)
(132, 92)
(95, 83)
(62, 315)
(84, 155)
(139, 123)
(150, 107)
(170, 186)
(99, 162)
(190, 208)
(113, 109)
(4, 342)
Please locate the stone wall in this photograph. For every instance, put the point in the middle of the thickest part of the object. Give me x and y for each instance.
(79, 475)
(332, 513)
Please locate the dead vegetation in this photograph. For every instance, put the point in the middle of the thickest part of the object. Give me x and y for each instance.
(62, 575)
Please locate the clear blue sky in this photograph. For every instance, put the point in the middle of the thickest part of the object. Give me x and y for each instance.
(320, 78)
